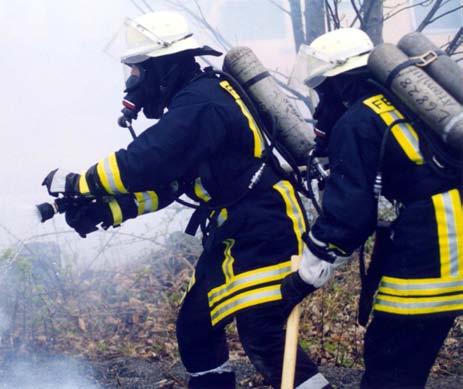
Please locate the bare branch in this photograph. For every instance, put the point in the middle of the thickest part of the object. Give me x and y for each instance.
(358, 14)
(147, 5)
(200, 18)
(307, 101)
(421, 4)
(279, 6)
(445, 14)
(137, 6)
(429, 16)
(456, 42)
(331, 15)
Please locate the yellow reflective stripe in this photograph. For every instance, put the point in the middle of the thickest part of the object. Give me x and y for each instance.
(103, 177)
(442, 234)
(227, 265)
(248, 279)
(458, 222)
(293, 210)
(420, 287)
(244, 300)
(140, 203)
(192, 281)
(223, 216)
(200, 191)
(257, 134)
(83, 185)
(405, 135)
(115, 211)
(116, 173)
(379, 104)
(422, 305)
(147, 202)
(109, 174)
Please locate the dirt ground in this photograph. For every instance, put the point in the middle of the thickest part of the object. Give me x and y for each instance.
(135, 373)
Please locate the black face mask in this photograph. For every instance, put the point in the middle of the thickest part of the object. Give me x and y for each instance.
(142, 92)
(329, 109)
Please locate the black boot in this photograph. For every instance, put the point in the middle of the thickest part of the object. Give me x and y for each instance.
(225, 380)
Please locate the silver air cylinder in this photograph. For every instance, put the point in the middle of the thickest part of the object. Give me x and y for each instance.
(442, 68)
(292, 131)
(420, 93)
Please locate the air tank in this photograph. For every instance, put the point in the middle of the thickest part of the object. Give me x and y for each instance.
(420, 93)
(292, 130)
(445, 71)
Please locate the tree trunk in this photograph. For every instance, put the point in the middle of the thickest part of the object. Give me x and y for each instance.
(373, 20)
(314, 16)
(296, 21)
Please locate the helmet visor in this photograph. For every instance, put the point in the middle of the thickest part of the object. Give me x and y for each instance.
(133, 42)
(310, 68)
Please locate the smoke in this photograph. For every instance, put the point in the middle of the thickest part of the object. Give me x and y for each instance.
(42, 373)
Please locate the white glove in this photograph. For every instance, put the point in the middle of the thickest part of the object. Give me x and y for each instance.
(313, 270)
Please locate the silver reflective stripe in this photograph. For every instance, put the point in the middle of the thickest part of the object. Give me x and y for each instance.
(247, 298)
(222, 218)
(427, 304)
(318, 381)
(252, 278)
(225, 368)
(110, 176)
(450, 214)
(149, 206)
(292, 202)
(201, 191)
(58, 182)
(425, 285)
(407, 133)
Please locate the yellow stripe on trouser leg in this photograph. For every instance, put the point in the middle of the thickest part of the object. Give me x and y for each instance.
(248, 279)
(116, 212)
(244, 300)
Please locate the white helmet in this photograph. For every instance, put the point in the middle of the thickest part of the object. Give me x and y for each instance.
(331, 54)
(155, 34)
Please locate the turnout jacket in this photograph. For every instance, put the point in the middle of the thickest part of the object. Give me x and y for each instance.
(209, 146)
(422, 273)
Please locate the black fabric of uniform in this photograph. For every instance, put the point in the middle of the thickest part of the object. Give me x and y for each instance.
(399, 353)
(203, 134)
(399, 350)
(263, 236)
(349, 207)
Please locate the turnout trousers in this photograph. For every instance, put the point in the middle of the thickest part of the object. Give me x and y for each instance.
(239, 277)
(400, 351)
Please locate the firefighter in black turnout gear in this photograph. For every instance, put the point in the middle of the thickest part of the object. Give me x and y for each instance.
(418, 264)
(209, 146)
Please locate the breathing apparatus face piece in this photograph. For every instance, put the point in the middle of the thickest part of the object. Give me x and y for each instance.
(329, 109)
(336, 95)
(143, 91)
